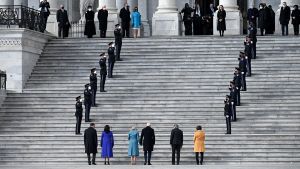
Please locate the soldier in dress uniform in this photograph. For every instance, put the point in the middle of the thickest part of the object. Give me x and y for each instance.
(93, 82)
(103, 71)
(118, 41)
(78, 114)
(252, 35)
(233, 100)
(111, 59)
(237, 79)
(87, 101)
(248, 52)
(228, 114)
(243, 68)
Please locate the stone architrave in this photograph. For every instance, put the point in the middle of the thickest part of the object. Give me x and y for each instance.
(166, 20)
(289, 3)
(6, 3)
(234, 20)
(21, 2)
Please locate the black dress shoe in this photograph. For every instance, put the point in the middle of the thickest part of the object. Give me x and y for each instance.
(94, 164)
(145, 163)
(103, 91)
(149, 163)
(89, 163)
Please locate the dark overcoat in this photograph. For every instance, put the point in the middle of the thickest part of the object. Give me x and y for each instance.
(90, 28)
(221, 24)
(102, 17)
(90, 140)
(147, 139)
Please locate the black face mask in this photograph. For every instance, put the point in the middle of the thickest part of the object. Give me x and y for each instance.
(62, 7)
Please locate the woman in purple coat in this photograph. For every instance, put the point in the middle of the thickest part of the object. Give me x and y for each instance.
(107, 144)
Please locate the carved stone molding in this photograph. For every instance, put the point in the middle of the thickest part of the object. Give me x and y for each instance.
(10, 42)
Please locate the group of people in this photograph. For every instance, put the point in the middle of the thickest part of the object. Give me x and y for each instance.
(146, 139)
(90, 91)
(126, 19)
(238, 83)
(196, 21)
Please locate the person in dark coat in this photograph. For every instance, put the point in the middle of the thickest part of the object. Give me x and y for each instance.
(63, 22)
(125, 20)
(90, 28)
(284, 18)
(102, 17)
(87, 101)
(148, 141)
(243, 67)
(103, 71)
(270, 29)
(233, 96)
(78, 114)
(91, 143)
(45, 12)
(197, 20)
(118, 41)
(262, 18)
(187, 19)
(176, 141)
(252, 34)
(111, 59)
(93, 82)
(221, 15)
(228, 114)
(296, 19)
(107, 144)
(252, 15)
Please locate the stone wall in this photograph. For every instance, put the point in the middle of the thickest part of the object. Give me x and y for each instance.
(19, 51)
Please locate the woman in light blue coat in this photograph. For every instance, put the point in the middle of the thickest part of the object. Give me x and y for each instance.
(133, 148)
(136, 22)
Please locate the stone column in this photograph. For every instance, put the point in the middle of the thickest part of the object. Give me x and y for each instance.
(251, 3)
(112, 16)
(143, 8)
(6, 2)
(120, 4)
(234, 19)
(52, 26)
(21, 2)
(133, 4)
(166, 20)
(289, 3)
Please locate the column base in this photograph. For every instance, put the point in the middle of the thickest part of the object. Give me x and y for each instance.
(234, 23)
(146, 29)
(52, 26)
(166, 24)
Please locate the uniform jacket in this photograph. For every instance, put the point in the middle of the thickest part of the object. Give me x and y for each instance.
(227, 110)
(103, 68)
(93, 80)
(199, 141)
(118, 35)
(78, 107)
(111, 54)
(237, 79)
(147, 139)
(176, 137)
(87, 96)
(243, 65)
(90, 140)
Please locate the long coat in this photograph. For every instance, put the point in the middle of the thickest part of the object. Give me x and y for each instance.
(133, 147)
(296, 14)
(262, 18)
(176, 137)
(90, 28)
(221, 24)
(285, 15)
(147, 139)
(199, 141)
(107, 144)
(90, 140)
(136, 20)
(102, 17)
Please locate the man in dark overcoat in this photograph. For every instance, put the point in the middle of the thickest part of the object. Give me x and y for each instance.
(284, 18)
(63, 22)
(125, 20)
(90, 28)
(102, 17)
(91, 143)
(148, 141)
(176, 142)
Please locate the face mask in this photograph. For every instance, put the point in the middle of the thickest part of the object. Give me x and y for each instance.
(113, 45)
(260, 7)
(104, 8)
(90, 9)
(89, 88)
(95, 72)
(62, 7)
(80, 100)
(119, 27)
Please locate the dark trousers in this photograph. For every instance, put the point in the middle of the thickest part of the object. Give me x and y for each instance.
(249, 70)
(238, 97)
(262, 31)
(78, 124)
(176, 150)
(118, 50)
(296, 29)
(110, 69)
(93, 158)
(221, 32)
(62, 29)
(228, 124)
(87, 112)
(147, 156)
(102, 33)
(244, 85)
(188, 27)
(254, 50)
(126, 29)
(197, 158)
(233, 109)
(102, 82)
(285, 29)
(94, 92)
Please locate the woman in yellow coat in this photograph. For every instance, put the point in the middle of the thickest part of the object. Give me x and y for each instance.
(199, 145)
